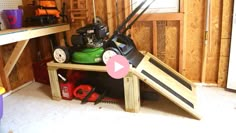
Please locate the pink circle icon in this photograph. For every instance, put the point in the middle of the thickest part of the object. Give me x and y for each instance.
(117, 67)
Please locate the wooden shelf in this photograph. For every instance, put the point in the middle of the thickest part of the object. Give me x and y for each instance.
(22, 37)
(16, 35)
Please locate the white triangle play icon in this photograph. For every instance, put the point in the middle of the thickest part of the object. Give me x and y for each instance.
(118, 66)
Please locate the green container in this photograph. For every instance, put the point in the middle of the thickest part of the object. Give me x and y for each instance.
(88, 56)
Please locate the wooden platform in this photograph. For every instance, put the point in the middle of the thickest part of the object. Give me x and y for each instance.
(152, 71)
(131, 83)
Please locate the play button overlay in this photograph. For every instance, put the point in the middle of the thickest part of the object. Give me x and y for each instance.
(117, 67)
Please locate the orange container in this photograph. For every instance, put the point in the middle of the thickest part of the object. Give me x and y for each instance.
(47, 3)
(54, 12)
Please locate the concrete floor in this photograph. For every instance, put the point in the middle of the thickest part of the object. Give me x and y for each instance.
(31, 110)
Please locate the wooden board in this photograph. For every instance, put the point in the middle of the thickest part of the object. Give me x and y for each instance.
(23, 72)
(172, 44)
(143, 36)
(223, 72)
(168, 82)
(77, 67)
(111, 22)
(154, 41)
(227, 15)
(101, 9)
(214, 42)
(161, 37)
(132, 93)
(15, 35)
(44, 48)
(4, 81)
(1, 82)
(194, 29)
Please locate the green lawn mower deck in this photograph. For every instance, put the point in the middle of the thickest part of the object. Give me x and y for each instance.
(87, 56)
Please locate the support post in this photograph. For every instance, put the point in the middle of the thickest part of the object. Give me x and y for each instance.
(4, 79)
(54, 83)
(132, 93)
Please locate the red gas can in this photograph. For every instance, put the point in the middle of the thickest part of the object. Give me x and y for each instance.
(67, 84)
(67, 89)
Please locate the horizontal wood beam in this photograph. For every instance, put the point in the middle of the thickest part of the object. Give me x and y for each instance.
(97, 68)
(16, 35)
(161, 16)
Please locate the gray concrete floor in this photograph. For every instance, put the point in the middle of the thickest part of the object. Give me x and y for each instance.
(31, 110)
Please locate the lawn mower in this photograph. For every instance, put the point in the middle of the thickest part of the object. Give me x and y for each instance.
(86, 44)
(92, 44)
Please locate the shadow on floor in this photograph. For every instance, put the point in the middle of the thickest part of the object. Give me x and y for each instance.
(166, 106)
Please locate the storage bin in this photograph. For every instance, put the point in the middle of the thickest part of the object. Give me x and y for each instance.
(2, 90)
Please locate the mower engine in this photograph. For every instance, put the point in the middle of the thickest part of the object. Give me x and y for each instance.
(90, 36)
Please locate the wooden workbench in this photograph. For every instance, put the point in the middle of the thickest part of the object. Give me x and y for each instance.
(22, 37)
(131, 83)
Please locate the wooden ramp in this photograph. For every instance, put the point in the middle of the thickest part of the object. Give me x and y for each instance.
(168, 82)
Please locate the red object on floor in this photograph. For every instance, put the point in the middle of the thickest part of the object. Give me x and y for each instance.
(67, 89)
(82, 91)
(67, 86)
(41, 72)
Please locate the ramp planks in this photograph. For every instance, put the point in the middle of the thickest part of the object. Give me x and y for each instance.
(168, 82)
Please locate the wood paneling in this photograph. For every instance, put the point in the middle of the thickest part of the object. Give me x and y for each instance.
(227, 15)
(143, 35)
(214, 41)
(161, 37)
(194, 28)
(22, 72)
(101, 9)
(172, 44)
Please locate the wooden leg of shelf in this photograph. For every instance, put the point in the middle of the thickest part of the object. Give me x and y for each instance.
(55, 88)
(132, 93)
(4, 79)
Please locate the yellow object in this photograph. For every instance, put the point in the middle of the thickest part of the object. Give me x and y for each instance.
(2, 90)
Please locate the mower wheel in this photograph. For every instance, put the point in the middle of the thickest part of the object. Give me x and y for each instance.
(108, 53)
(61, 55)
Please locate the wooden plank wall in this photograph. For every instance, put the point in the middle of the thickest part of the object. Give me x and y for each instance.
(214, 41)
(218, 46)
(227, 14)
(194, 28)
(167, 37)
